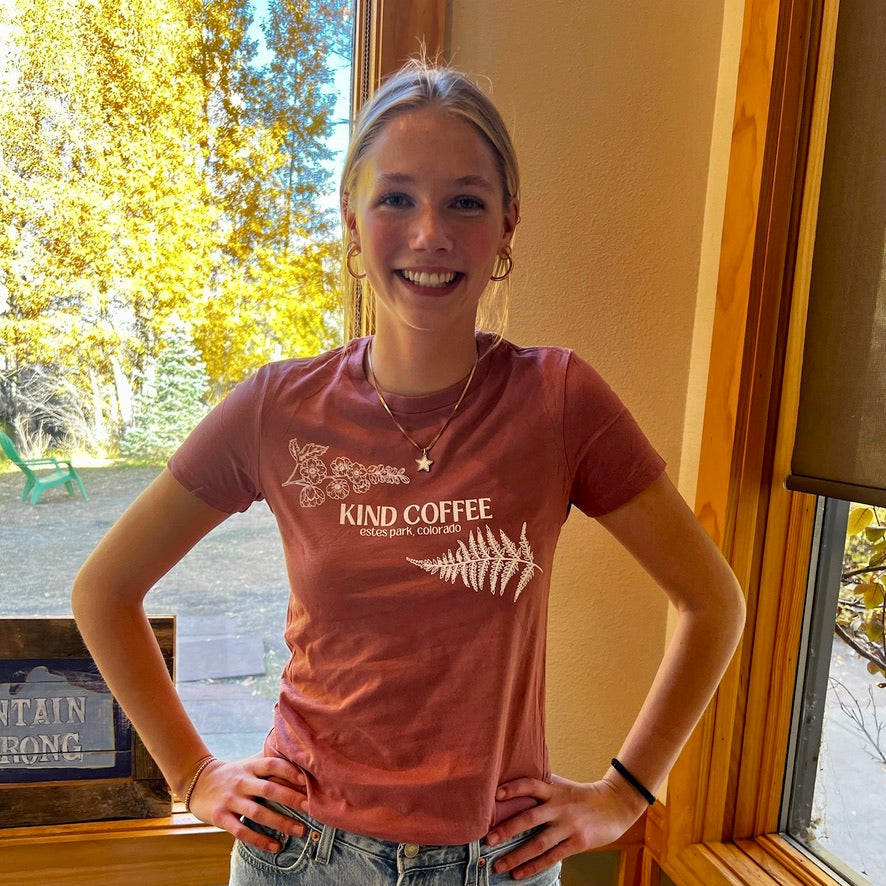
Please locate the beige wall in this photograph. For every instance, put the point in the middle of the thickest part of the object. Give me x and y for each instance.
(614, 108)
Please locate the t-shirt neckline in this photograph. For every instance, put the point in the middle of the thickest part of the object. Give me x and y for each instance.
(426, 402)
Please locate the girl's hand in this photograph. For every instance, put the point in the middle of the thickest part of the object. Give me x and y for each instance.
(576, 817)
(225, 792)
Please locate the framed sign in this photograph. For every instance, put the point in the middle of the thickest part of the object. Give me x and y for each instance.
(67, 751)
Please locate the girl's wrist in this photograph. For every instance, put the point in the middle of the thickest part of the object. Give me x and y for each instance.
(204, 763)
(633, 781)
(628, 794)
(184, 765)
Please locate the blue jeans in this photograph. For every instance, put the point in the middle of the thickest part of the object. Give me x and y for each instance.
(325, 856)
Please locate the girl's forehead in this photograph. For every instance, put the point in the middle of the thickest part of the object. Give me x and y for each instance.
(431, 119)
(432, 141)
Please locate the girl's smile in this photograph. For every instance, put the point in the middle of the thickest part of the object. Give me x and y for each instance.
(425, 279)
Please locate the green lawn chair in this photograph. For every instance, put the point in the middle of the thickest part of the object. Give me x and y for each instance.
(53, 472)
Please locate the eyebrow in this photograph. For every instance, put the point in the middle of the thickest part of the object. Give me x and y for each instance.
(464, 181)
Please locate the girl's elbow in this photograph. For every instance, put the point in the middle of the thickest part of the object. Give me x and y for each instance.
(731, 608)
(80, 597)
(88, 600)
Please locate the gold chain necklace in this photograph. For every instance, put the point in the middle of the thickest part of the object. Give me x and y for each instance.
(423, 463)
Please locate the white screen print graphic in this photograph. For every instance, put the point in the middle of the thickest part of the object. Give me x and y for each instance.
(485, 560)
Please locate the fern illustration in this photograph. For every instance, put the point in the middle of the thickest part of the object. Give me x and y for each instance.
(484, 558)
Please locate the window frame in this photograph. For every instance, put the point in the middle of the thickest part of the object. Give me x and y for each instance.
(180, 850)
(721, 821)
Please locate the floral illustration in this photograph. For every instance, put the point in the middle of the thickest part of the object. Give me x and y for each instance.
(485, 557)
(337, 480)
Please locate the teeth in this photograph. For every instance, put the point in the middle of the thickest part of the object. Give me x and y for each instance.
(423, 279)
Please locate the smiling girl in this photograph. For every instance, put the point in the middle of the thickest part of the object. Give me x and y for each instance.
(419, 477)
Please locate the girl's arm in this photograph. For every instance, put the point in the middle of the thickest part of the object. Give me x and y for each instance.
(154, 533)
(661, 532)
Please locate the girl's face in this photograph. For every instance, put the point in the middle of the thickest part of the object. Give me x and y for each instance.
(428, 215)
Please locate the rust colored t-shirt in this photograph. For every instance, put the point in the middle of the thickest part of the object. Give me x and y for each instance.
(418, 605)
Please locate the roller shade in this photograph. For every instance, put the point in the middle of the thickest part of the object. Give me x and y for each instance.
(840, 443)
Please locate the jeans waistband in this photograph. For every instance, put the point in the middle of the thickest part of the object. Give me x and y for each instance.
(407, 854)
(404, 855)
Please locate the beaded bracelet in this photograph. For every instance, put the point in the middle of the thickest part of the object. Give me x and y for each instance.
(632, 780)
(202, 764)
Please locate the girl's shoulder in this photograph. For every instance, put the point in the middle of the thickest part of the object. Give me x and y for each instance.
(304, 373)
(509, 351)
(546, 364)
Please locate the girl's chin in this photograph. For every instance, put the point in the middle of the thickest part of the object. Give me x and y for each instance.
(430, 316)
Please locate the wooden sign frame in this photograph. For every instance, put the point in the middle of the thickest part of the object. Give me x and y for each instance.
(68, 753)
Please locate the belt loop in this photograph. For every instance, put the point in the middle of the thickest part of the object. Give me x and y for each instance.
(324, 846)
(472, 868)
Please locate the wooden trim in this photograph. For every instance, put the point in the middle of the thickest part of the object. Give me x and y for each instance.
(789, 531)
(650, 872)
(391, 31)
(773, 849)
(698, 787)
(630, 866)
(174, 851)
(701, 780)
(725, 793)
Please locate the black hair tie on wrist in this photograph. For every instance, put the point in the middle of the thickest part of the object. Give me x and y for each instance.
(632, 780)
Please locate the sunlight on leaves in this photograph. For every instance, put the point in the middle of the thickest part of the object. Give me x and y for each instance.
(160, 159)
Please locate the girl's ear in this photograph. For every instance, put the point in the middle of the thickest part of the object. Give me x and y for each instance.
(350, 218)
(512, 217)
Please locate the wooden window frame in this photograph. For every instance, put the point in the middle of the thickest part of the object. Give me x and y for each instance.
(180, 850)
(721, 821)
(390, 32)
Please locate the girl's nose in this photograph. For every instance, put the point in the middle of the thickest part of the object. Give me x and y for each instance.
(430, 232)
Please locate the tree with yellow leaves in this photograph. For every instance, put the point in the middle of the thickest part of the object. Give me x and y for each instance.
(861, 609)
(143, 175)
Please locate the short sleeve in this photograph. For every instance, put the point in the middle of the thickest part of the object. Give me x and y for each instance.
(219, 460)
(610, 459)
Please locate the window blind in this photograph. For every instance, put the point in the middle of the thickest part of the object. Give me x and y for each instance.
(840, 444)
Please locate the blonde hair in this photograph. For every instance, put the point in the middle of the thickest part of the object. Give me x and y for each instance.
(417, 85)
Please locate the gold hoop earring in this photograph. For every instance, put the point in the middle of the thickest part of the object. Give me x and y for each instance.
(507, 259)
(353, 252)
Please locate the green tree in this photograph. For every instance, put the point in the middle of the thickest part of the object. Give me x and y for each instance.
(171, 402)
(297, 106)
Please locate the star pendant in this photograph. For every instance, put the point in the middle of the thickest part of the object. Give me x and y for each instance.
(424, 463)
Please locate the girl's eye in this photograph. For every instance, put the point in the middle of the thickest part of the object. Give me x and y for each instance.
(468, 203)
(394, 200)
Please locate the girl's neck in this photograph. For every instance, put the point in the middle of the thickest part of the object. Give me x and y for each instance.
(413, 366)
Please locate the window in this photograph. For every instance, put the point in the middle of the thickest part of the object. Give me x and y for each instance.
(838, 777)
(126, 323)
(107, 853)
(126, 299)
